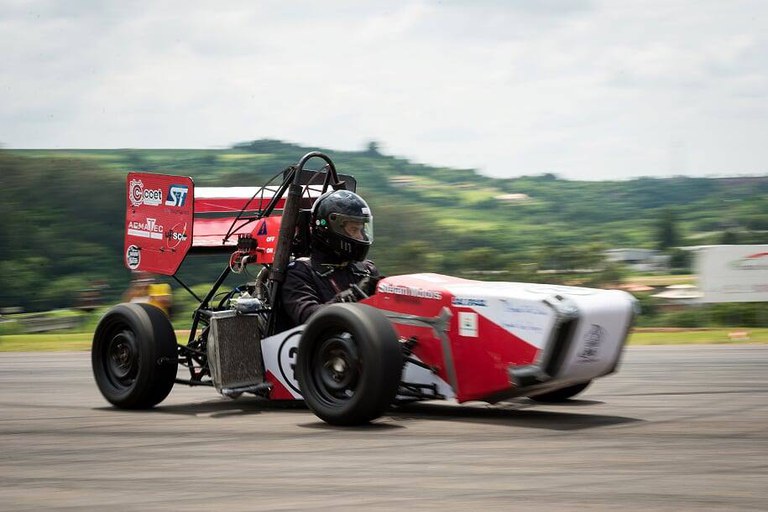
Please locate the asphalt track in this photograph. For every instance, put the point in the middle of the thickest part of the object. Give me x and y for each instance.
(678, 428)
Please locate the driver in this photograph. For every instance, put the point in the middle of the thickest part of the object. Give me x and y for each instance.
(341, 235)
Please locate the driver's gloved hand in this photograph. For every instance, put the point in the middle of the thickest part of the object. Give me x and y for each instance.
(368, 284)
(351, 294)
(362, 290)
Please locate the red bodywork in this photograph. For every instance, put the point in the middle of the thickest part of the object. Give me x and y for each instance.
(159, 222)
(479, 369)
(216, 217)
(166, 217)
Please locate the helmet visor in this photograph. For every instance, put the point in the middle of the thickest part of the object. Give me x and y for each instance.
(355, 228)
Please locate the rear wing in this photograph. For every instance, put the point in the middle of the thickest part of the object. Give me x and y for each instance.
(159, 222)
(167, 217)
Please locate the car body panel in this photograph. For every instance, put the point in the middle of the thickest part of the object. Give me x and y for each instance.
(461, 339)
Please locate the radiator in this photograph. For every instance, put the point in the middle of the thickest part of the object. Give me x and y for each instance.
(234, 350)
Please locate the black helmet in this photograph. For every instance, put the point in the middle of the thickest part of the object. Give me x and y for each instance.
(342, 225)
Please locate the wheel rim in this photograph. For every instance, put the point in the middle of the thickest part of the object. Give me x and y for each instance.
(337, 369)
(122, 359)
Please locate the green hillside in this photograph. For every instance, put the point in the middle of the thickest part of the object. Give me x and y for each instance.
(62, 215)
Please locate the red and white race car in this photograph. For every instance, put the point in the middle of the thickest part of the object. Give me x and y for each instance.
(418, 337)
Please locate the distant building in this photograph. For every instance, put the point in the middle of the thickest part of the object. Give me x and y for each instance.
(639, 259)
(512, 198)
(403, 181)
(680, 293)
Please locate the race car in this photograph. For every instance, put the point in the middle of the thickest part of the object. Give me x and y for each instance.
(415, 337)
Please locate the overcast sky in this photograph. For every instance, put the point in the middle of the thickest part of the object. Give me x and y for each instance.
(588, 90)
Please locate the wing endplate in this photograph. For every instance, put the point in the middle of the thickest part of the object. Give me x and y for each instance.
(159, 219)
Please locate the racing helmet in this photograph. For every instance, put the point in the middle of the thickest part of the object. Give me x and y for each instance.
(342, 225)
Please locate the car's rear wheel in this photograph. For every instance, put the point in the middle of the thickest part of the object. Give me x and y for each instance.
(133, 356)
(562, 394)
(349, 364)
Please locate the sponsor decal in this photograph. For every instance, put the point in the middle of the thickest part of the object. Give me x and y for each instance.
(410, 291)
(592, 341)
(177, 195)
(140, 195)
(133, 257)
(176, 235)
(758, 261)
(516, 326)
(147, 229)
(286, 360)
(465, 301)
(526, 309)
(468, 324)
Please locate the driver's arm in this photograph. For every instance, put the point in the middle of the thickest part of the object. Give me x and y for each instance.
(298, 294)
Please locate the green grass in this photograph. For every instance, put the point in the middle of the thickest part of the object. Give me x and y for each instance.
(82, 341)
(725, 335)
(45, 342)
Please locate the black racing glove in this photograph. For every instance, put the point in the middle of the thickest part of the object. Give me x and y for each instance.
(351, 294)
(368, 284)
(362, 290)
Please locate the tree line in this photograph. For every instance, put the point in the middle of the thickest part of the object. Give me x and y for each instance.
(62, 217)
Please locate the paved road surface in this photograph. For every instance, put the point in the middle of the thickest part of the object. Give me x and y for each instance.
(678, 428)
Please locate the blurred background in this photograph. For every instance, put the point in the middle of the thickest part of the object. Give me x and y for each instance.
(583, 142)
(63, 223)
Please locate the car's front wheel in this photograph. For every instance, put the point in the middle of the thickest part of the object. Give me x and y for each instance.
(349, 364)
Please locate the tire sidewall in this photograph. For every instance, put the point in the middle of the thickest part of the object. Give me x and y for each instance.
(379, 352)
(154, 338)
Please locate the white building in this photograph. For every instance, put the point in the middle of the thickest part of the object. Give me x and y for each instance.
(639, 259)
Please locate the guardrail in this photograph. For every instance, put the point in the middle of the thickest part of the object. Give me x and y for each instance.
(35, 324)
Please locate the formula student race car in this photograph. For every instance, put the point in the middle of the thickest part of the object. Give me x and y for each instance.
(416, 337)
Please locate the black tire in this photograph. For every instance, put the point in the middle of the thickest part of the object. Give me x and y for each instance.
(129, 342)
(349, 364)
(562, 394)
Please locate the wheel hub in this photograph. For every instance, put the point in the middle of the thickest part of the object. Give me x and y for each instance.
(338, 362)
(338, 366)
(122, 356)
